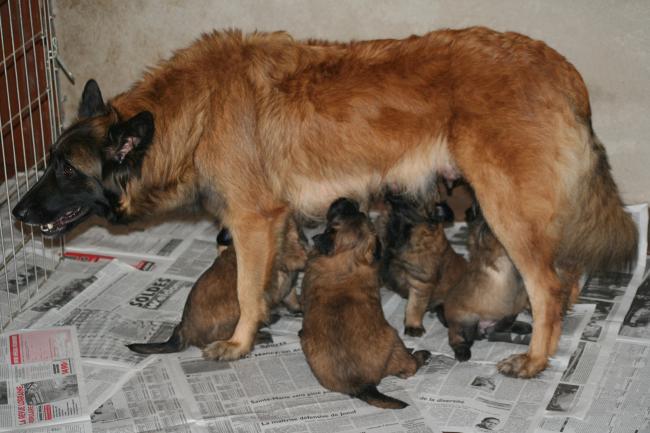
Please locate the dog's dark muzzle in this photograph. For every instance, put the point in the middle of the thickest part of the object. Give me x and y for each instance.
(31, 209)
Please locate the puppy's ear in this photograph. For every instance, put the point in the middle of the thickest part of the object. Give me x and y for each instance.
(128, 141)
(91, 103)
(370, 250)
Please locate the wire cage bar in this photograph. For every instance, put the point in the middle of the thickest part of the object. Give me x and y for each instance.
(30, 121)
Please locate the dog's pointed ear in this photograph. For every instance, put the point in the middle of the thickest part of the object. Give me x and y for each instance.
(92, 103)
(129, 140)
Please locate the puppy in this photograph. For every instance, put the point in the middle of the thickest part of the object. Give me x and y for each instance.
(488, 297)
(418, 262)
(211, 311)
(348, 343)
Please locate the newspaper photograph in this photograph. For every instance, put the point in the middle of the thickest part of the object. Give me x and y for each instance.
(41, 381)
(636, 324)
(70, 279)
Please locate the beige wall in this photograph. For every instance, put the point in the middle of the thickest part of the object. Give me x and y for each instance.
(608, 41)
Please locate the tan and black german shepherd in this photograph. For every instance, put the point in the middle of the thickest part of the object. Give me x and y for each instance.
(254, 127)
(349, 345)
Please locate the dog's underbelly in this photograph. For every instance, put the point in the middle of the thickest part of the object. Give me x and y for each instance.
(414, 172)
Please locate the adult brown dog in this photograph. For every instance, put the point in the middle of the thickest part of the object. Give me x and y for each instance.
(211, 310)
(348, 343)
(253, 127)
(418, 262)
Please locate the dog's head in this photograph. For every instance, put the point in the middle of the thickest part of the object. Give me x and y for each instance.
(89, 168)
(348, 229)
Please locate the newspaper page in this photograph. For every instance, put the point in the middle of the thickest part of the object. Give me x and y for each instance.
(122, 306)
(70, 279)
(271, 390)
(157, 242)
(473, 397)
(22, 278)
(41, 380)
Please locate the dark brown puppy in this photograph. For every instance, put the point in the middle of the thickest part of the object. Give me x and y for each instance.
(211, 311)
(418, 262)
(348, 343)
(488, 297)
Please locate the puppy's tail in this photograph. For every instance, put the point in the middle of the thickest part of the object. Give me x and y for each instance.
(599, 234)
(371, 395)
(174, 344)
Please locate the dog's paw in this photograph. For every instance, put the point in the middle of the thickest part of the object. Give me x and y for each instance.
(522, 327)
(414, 331)
(521, 365)
(421, 357)
(225, 350)
(462, 353)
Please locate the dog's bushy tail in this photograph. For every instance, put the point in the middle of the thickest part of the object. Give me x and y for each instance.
(371, 395)
(173, 345)
(599, 233)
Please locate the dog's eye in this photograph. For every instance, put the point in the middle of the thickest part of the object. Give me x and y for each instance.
(68, 171)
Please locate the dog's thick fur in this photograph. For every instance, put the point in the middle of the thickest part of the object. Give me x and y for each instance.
(488, 297)
(211, 310)
(348, 343)
(417, 261)
(253, 127)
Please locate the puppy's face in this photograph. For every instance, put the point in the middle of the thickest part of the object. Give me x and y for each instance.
(348, 230)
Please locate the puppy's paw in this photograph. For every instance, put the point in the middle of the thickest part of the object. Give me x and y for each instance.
(225, 350)
(414, 331)
(522, 327)
(462, 353)
(521, 365)
(421, 357)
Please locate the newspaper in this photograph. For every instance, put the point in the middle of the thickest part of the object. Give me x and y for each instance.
(41, 381)
(612, 294)
(22, 278)
(273, 389)
(122, 306)
(161, 242)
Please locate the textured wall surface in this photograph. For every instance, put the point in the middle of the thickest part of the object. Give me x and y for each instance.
(113, 41)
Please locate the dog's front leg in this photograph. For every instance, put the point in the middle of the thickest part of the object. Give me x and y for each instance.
(255, 238)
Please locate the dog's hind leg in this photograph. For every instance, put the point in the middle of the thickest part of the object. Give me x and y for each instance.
(527, 229)
(256, 239)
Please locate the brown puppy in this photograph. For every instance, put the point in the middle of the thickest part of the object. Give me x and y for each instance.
(211, 311)
(489, 295)
(348, 343)
(242, 126)
(417, 261)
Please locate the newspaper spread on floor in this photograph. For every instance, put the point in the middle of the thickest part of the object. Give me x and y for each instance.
(41, 381)
(273, 390)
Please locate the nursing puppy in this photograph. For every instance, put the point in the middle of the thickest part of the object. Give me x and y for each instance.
(211, 311)
(348, 343)
(488, 297)
(418, 262)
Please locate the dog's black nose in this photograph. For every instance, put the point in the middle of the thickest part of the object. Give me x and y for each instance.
(20, 211)
(224, 238)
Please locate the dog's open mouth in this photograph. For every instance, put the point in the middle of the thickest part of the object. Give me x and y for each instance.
(64, 222)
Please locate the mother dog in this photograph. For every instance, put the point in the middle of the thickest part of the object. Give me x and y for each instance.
(253, 127)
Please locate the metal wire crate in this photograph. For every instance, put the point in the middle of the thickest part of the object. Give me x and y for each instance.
(30, 118)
